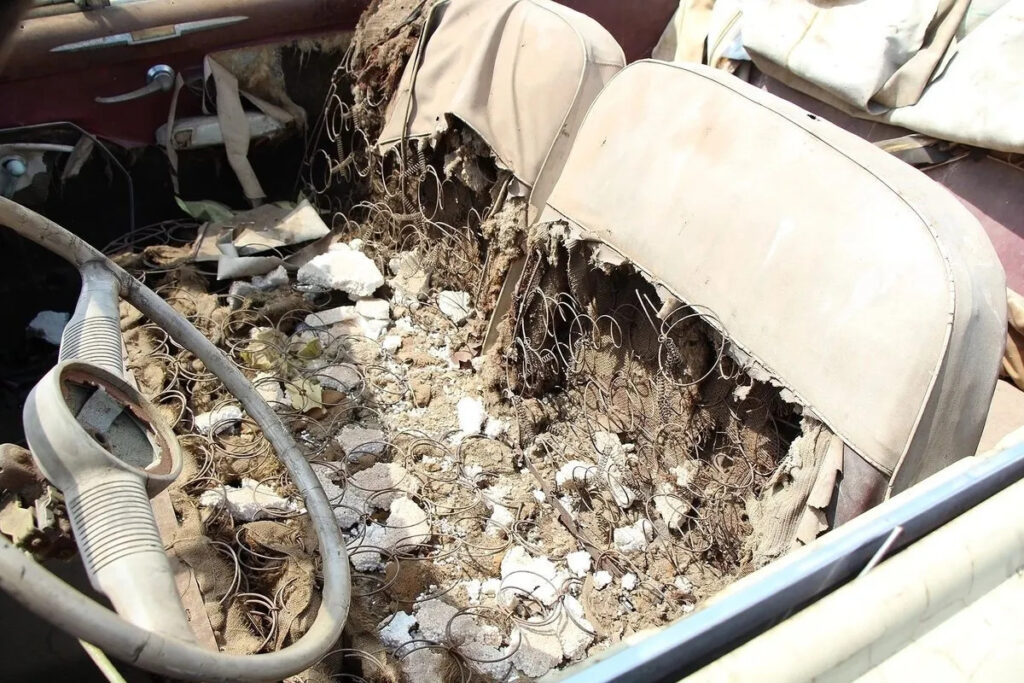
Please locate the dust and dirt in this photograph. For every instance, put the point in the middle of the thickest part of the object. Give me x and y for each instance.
(508, 509)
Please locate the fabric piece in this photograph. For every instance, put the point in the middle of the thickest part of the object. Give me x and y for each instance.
(521, 73)
(975, 97)
(978, 12)
(1013, 359)
(881, 307)
(262, 81)
(297, 582)
(684, 37)
(784, 516)
(861, 488)
(172, 113)
(215, 575)
(813, 521)
(188, 588)
(235, 127)
(725, 36)
(233, 242)
(906, 85)
(292, 584)
(1005, 416)
(979, 99)
(871, 54)
(232, 266)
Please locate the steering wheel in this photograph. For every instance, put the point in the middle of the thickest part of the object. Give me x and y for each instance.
(105, 446)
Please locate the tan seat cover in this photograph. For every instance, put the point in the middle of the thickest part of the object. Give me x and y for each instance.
(1005, 417)
(521, 73)
(847, 276)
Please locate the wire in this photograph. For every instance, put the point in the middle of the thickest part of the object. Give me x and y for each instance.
(53, 600)
(102, 662)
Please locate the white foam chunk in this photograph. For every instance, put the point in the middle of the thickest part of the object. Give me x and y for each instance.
(250, 501)
(374, 309)
(219, 419)
(471, 415)
(272, 280)
(406, 528)
(539, 649)
(394, 633)
(575, 472)
(633, 538)
(478, 641)
(495, 427)
(579, 562)
(347, 321)
(456, 305)
(670, 506)
(344, 269)
(360, 441)
(523, 574)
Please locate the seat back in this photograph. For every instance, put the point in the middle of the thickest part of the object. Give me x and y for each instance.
(842, 274)
(521, 73)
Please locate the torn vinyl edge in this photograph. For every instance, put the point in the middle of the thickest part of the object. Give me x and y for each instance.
(604, 255)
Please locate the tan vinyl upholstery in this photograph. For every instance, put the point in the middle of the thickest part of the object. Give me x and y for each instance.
(848, 277)
(521, 73)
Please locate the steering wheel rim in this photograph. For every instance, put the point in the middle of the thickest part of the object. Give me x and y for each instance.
(57, 602)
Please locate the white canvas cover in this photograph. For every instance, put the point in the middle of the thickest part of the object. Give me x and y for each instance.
(847, 276)
(872, 54)
(521, 73)
(841, 54)
(979, 98)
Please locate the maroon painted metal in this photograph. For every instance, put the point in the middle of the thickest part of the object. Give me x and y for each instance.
(635, 24)
(38, 85)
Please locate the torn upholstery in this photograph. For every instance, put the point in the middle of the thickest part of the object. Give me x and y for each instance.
(521, 73)
(837, 271)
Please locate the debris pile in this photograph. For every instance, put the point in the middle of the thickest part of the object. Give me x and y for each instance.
(520, 485)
